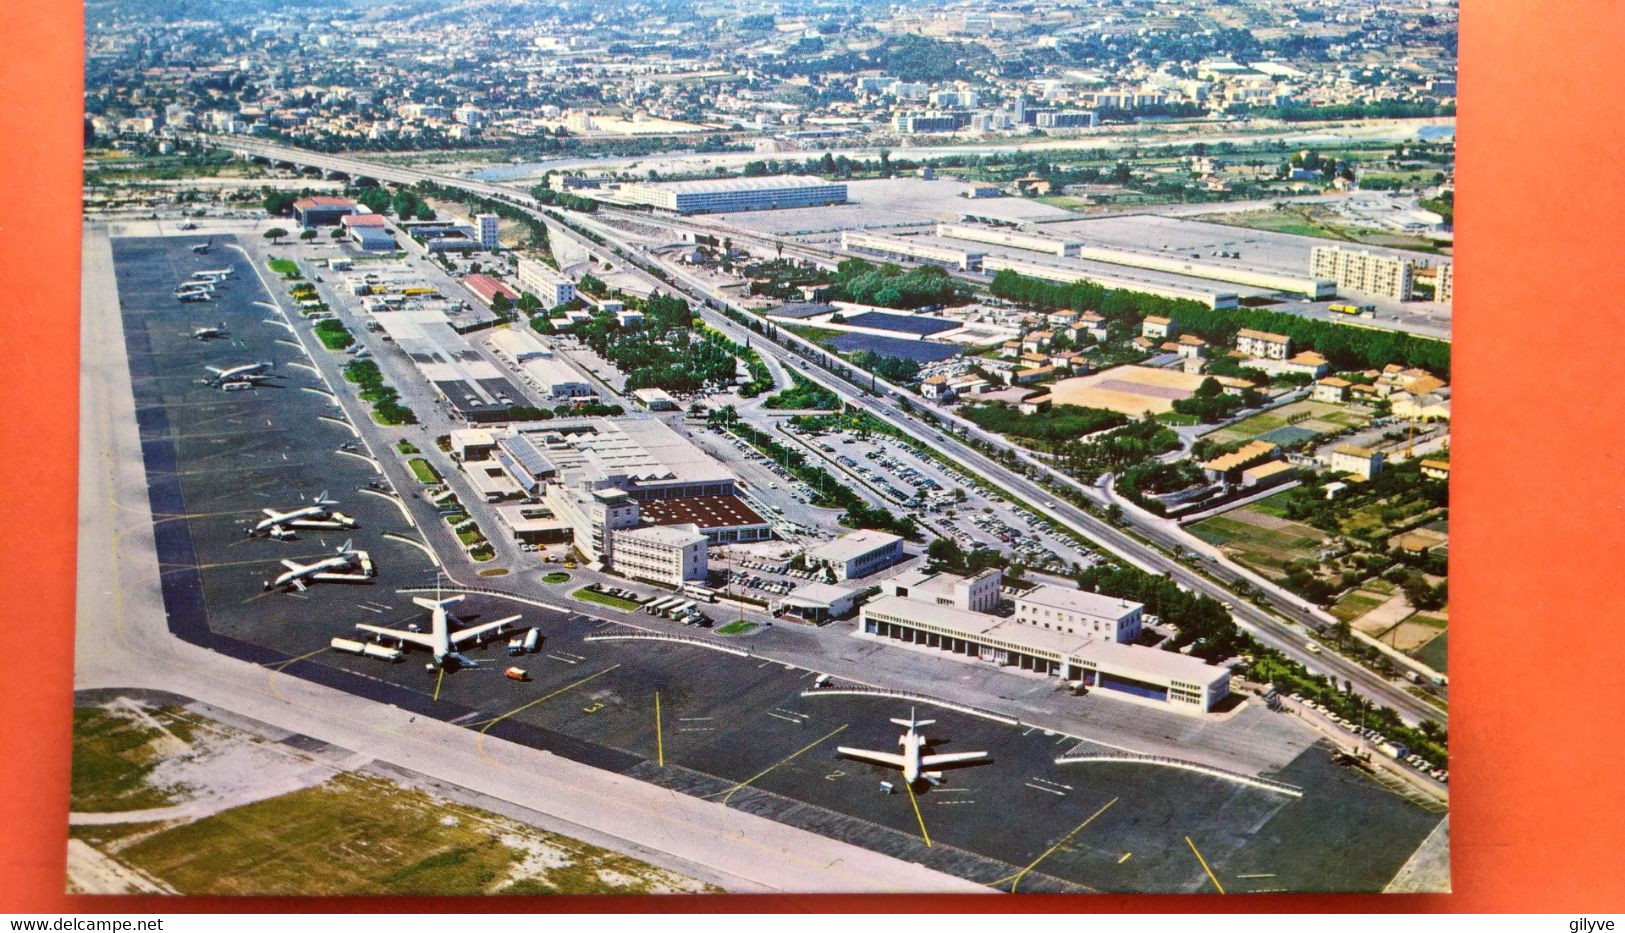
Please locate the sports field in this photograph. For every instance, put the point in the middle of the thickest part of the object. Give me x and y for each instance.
(1260, 536)
(1292, 424)
(1132, 390)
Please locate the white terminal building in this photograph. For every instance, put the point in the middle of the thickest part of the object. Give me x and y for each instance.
(1081, 642)
(670, 555)
(540, 279)
(857, 554)
(721, 195)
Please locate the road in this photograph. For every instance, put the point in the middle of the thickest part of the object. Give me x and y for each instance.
(1282, 628)
(123, 641)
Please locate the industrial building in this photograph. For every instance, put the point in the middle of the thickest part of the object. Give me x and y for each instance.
(539, 279)
(1142, 675)
(487, 288)
(1158, 287)
(548, 376)
(857, 553)
(666, 554)
(1004, 236)
(368, 231)
(470, 384)
(322, 210)
(722, 195)
(911, 248)
(1364, 271)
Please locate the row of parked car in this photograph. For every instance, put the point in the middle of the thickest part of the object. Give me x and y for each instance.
(1392, 749)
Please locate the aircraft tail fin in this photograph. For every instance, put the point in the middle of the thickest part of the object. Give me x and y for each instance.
(913, 723)
(437, 603)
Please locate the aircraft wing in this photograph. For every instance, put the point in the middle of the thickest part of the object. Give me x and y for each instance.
(468, 634)
(214, 369)
(272, 513)
(292, 564)
(931, 761)
(884, 758)
(422, 639)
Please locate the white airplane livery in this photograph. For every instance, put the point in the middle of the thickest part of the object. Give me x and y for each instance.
(248, 372)
(913, 761)
(441, 641)
(318, 514)
(347, 566)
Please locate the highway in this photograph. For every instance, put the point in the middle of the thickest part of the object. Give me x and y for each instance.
(1285, 628)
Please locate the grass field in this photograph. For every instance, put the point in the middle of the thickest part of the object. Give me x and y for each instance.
(556, 577)
(604, 599)
(1318, 417)
(114, 751)
(1435, 654)
(1353, 605)
(1260, 539)
(423, 471)
(286, 268)
(736, 628)
(362, 835)
(1323, 223)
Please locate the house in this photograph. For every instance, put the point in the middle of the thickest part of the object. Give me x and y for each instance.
(1035, 405)
(1143, 344)
(1234, 385)
(1025, 376)
(937, 389)
(1436, 469)
(1190, 346)
(1069, 360)
(1434, 406)
(1263, 345)
(1034, 359)
(1331, 389)
(1037, 340)
(1010, 348)
(1091, 323)
(1364, 462)
(1155, 327)
(1308, 363)
(1062, 319)
(1364, 394)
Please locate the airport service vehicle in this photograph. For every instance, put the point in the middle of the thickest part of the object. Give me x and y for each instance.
(516, 673)
(441, 641)
(913, 760)
(1353, 310)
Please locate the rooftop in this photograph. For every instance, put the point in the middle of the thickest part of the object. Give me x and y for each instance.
(1263, 335)
(1072, 600)
(760, 183)
(852, 545)
(1247, 453)
(704, 511)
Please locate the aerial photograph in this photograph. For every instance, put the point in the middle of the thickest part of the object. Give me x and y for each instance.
(764, 446)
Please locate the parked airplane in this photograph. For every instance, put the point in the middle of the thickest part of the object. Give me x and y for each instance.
(211, 332)
(913, 761)
(197, 295)
(214, 274)
(203, 247)
(280, 525)
(247, 373)
(440, 639)
(349, 566)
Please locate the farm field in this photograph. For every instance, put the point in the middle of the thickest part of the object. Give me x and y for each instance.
(1259, 536)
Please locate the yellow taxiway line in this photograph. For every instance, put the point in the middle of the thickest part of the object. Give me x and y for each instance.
(1209, 871)
(1016, 878)
(915, 800)
(660, 742)
(480, 742)
(783, 761)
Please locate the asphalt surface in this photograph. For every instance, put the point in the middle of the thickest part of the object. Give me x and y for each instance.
(730, 729)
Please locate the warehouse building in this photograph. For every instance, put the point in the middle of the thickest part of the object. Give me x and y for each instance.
(1036, 242)
(898, 247)
(722, 195)
(322, 210)
(549, 376)
(487, 288)
(1145, 676)
(1162, 288)
(857, 553)
(473, 388)
(368, 231)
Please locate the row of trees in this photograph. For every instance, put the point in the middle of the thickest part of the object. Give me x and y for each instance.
(891, 286)
(1048, 430)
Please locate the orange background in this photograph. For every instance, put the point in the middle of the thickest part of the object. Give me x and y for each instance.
(1538, 696)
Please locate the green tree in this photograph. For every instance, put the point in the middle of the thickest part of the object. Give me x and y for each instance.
(275, 234)
(309, 233)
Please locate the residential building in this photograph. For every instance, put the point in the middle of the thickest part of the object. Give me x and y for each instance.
(486, 225)
(1264, 345)
(1363, 271)
(1331, 389)
(540, 279)
(1443, 283)
(1364, 462)
(1155, 327)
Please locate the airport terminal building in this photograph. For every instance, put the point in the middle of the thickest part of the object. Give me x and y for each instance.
(1142, 675)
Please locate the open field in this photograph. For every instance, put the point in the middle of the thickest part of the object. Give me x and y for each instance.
(116, 749)
(1354, 605)
(358, 834)
(1435, 653)
(1257, 536)
(1314, 220)
(1131, 390)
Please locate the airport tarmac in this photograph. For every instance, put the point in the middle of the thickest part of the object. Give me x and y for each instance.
(734, 729)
